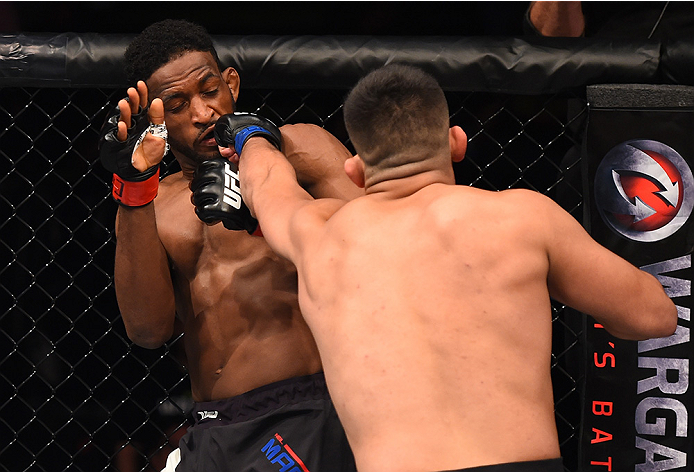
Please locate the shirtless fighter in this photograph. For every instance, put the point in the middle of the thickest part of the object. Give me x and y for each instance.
(430, 301)
(255, 373)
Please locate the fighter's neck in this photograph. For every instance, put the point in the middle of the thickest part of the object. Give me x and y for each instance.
(399, 187)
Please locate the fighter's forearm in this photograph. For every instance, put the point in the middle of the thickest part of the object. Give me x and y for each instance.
(557, 19)
(144, 289)
(657, 314)
(264, 173)
(270, 189)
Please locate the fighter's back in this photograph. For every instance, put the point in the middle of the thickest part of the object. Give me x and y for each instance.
(442, 292)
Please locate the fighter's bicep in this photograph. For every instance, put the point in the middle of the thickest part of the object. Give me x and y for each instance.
(583, 273)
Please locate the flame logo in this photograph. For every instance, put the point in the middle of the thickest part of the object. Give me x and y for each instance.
(643, 190)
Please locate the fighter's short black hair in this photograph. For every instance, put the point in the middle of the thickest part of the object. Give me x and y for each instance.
(162, 42)
(394, 109)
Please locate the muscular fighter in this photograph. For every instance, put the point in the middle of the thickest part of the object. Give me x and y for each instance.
(430, 302)
(255, 372)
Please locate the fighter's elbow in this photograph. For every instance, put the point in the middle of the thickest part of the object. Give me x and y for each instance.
(666, 320)
(658, 320)
(663, 312)
(149, 336)
(147, 341)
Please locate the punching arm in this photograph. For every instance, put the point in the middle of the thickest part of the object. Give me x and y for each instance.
(289, 216)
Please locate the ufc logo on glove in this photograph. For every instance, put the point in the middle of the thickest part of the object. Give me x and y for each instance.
(232, 189)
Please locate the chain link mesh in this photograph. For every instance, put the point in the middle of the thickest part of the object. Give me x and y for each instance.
(75, 393)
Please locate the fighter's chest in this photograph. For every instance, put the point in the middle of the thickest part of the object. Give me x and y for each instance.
(192, 246)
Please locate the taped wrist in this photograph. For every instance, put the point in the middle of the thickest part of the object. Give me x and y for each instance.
(245, 134)
(136, 193)
(234, 129)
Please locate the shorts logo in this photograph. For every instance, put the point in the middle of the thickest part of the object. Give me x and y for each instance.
(208, 414)
(281, 454)
(644, 190)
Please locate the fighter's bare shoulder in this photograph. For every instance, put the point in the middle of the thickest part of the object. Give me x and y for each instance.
(173, 199)
(304, 137)
(536, 213)
(179, 228)
(172, 184)
(509, 197)
(318, 158)
(301, 131)
(523, 196)
(513, 206)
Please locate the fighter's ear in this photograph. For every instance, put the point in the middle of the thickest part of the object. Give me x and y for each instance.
(458, 143)
(354, 167)
(232, 79)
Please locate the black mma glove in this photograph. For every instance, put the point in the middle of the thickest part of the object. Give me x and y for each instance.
(217, 196)
(215, 185)
(130, 186)
(234, 129)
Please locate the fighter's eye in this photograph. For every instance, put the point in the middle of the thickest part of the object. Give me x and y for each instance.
(175, 107)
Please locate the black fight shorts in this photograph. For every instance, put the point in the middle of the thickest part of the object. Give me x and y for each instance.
(548, 465)
(288, 426)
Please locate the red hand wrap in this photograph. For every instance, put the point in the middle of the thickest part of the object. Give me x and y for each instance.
(135, 193)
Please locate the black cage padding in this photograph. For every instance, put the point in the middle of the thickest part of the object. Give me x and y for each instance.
(507, 65)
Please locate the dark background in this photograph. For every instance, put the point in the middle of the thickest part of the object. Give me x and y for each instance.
(271, 18)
